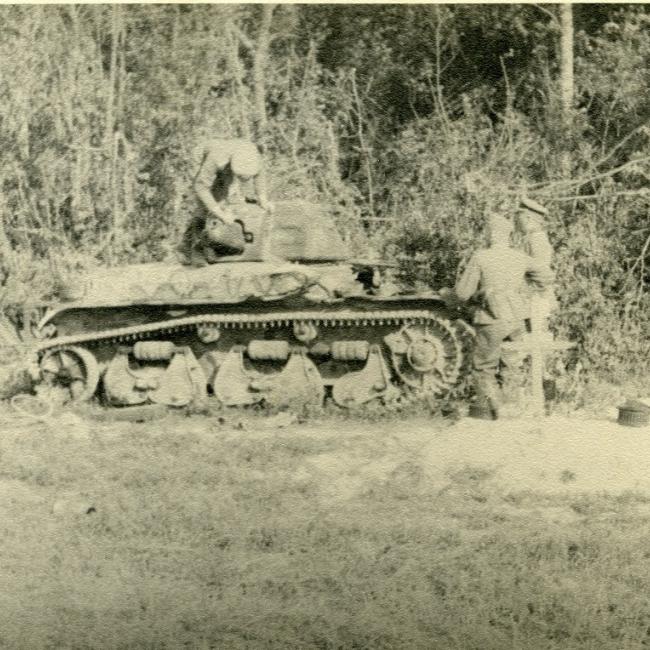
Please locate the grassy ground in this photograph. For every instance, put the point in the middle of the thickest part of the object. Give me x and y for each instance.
(204, 533)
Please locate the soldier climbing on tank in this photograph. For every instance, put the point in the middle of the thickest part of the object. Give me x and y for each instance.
(495, 276)
(214, 229)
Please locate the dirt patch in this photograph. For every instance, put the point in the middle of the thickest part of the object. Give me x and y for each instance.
(555, 455)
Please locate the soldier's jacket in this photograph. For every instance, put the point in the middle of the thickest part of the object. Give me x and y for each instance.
(499, 276)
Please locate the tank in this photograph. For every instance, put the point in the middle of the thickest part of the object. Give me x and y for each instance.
(294, 318)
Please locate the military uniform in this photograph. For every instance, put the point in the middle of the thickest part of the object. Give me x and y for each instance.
(221, 165)
(497, 276)
(535, 243)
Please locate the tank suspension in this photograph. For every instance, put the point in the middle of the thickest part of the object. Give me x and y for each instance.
(356, 388)
(208, 332)
(305, 331)
(153, 350)
(426, 352)
(424, 355)
(350, 350)
(268, 350)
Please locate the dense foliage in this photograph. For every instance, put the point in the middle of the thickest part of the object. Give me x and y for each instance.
(409, 121)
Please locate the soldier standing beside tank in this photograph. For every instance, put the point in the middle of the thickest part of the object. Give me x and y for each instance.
(497, 275)
(222, 166)
(531, 228)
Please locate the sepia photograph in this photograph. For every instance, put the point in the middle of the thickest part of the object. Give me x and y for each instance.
(325, 326)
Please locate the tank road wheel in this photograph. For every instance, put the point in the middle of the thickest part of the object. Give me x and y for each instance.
(426, 357)
(357, 388)
(298, 384)
(71, 370)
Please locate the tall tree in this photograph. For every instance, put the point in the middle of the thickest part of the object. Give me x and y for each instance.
(566, 81)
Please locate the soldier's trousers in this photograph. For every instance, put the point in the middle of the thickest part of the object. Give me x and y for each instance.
(189, 245)
(487, 352)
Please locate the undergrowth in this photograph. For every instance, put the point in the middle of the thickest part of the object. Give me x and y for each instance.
(207, 535)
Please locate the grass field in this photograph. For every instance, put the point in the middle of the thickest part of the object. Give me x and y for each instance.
(235, 532)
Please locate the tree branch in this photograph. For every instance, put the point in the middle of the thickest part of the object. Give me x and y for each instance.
(583, 181)
(582, 197)
(243, 38)
(617, 146)
(259, 68)
(438, 93)
(549, 13)
(640, 262)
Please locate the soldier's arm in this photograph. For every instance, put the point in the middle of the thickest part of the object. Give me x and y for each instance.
(259, 184)
(203, 187)
(539, 273)
(468, 283)
(540, 248)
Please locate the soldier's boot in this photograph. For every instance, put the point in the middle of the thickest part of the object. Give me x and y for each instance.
(486, 404)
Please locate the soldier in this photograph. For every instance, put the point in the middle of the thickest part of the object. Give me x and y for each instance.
(222, 166)
(530, 225)
(497, 275)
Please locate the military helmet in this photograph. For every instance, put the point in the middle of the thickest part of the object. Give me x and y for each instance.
(246, 160)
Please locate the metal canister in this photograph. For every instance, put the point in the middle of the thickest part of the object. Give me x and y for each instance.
(633, 414)
(482, 410)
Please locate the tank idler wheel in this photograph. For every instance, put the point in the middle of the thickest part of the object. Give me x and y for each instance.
(72, 370)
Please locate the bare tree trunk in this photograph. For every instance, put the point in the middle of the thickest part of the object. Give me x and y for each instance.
(5, 248)
(240, 88)
(566, 81)
(260, 59)
(365, 151)
(111, 133)
(260, 51)
(112, 73)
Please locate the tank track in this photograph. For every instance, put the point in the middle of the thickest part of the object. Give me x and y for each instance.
(332, 318)
(243, 321)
